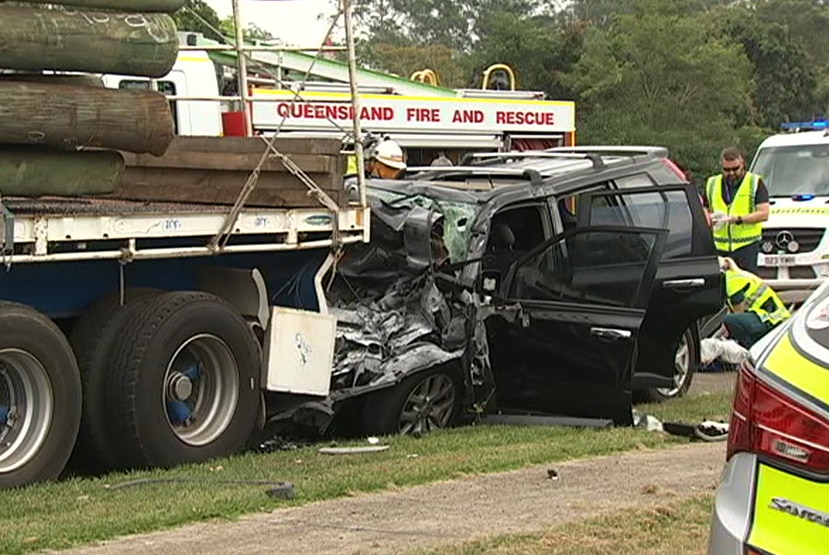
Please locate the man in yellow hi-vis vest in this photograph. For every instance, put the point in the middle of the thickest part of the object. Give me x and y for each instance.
(738, 204)
(754, 307)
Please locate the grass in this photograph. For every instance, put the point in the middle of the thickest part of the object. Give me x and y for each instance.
(668, 529)
(83, 511)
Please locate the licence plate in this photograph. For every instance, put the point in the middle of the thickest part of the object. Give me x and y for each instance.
(778, 260)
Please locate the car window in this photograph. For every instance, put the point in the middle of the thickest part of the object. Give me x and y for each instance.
(521, 226)
(587, 266)
(656, 209)
(637, 180)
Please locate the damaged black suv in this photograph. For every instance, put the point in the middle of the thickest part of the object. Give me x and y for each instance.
(564, 282)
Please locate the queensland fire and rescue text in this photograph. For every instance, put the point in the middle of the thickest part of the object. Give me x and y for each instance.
(432, 115)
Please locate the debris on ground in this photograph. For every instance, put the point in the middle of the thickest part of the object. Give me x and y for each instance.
(352, 450)
(646, 422)
(707, 430)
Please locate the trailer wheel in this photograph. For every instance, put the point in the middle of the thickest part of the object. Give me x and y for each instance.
(40, 397)
(420, 403)
(184, 384)
(92, 338)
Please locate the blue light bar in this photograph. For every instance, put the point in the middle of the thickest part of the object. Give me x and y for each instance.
(815, 125)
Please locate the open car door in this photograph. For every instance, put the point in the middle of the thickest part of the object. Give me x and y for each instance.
(688, 286)
(577, 302)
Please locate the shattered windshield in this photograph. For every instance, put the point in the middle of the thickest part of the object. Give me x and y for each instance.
(458, 218)
(794, 170)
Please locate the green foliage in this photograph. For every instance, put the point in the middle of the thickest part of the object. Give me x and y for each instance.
(784, 74)
(540, 49)
(423, 22)
(649, 79)
(251, 33)
(404, 60)
(198, 17)
(692, 75)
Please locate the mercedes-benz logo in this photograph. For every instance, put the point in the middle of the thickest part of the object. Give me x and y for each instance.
(785, 241)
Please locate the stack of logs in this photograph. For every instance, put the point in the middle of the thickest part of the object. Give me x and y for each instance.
(61, 134)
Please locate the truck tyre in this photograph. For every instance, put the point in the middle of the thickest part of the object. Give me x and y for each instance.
(40, 397)
(184, 381)
(92, 338)
(420, 403)
(684, 361)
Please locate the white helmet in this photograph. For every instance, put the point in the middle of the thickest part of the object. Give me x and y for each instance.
(389, 153)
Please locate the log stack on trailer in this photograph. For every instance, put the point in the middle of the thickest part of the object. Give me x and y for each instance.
(130, 151)
(44, 118)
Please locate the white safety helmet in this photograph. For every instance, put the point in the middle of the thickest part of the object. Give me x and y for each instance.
(389, 153)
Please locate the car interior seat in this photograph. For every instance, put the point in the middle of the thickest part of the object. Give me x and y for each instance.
(502, 238)
(501, 251)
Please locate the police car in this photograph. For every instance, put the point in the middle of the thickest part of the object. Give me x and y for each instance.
(794, 252)
(774, 494)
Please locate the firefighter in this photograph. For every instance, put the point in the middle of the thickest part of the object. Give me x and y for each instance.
(754, 307)
(385, 160)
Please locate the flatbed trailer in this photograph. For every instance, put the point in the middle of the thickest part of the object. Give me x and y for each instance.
(75, 268)
(165, 322)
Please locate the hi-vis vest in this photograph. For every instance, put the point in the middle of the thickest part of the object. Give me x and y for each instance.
(351, 165)
(731, 237)
(759, 297)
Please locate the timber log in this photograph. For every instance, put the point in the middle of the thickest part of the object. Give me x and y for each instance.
(37, 171)
(66, 116)
(166, 6)
(35, 39)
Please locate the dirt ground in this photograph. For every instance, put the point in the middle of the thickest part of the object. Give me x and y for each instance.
(457, 511)
(712, 383)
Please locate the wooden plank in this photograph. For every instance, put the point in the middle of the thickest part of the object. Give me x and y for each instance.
(34, 39)
(232, 161)
(167, 6)
(37, 171)
(274, 189)
(253, 145)
(64, 116)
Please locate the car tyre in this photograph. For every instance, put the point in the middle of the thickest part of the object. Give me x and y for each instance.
(420, 403)
(684, 361)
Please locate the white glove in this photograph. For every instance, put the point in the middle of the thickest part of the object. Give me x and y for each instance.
(720, 219)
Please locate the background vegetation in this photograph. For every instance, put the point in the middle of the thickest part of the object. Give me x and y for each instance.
(692, 75)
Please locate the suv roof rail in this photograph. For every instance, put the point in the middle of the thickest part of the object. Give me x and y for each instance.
(656, 151)
(596, 159)
(533, 175)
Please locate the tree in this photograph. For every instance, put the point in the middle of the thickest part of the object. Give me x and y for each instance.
(250, 33)
(198, 17)
(422, 22)
(804, 23)
(649, 79)
(539, 48)
(785, 76)
(405, 59)
(603, 13)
